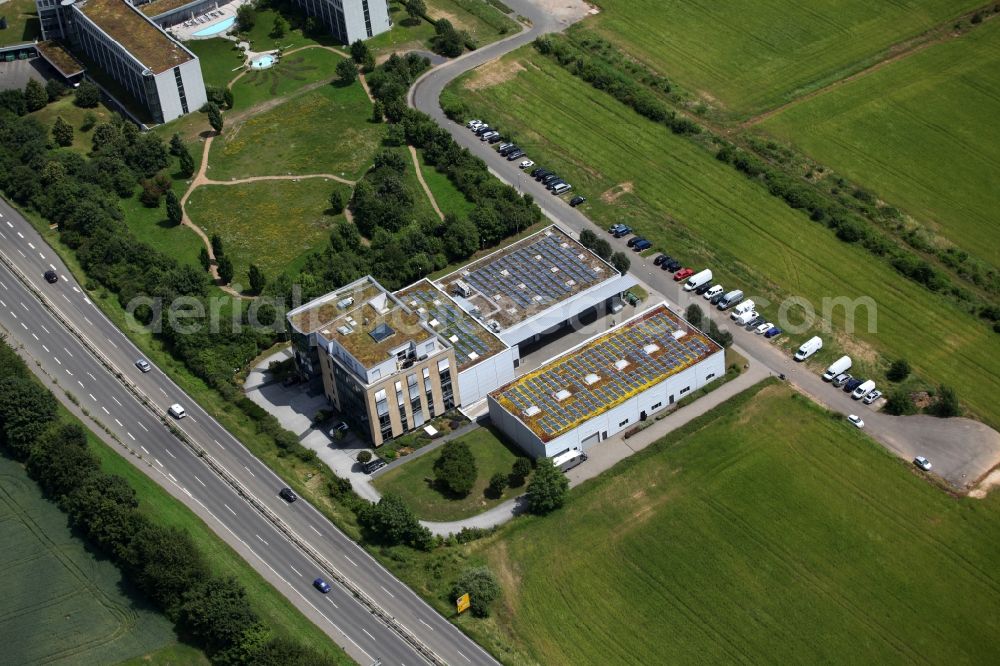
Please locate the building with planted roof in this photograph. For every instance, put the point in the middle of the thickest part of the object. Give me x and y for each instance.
(606, 384)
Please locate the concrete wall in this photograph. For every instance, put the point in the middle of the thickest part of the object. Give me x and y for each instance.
(480, 379)
(194, 90)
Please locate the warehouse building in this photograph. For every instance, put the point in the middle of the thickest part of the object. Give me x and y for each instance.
(534, 286)
(607, 384)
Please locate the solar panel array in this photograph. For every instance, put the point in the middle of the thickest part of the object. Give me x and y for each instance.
(454, 322)
(532, 266)
(614, 386)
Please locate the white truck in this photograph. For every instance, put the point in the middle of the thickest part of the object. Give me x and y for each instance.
(808, 348)
(841, 365)
(863, 390)
(745, 306)
(743, 318)
(698, 279)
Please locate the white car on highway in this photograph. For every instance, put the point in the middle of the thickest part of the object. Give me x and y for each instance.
(526, 164)
(176, 411)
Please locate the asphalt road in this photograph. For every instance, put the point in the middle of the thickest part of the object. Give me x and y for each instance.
(100, 386)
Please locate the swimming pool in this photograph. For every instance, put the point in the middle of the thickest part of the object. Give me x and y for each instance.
(263, 61)
(221, 26)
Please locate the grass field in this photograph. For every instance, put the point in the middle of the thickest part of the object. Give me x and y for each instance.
(326, 130)
(448, 198)
(219, 58)
(413, 481)
(765, 532)
(483, 23)
(61, 603)
(751, 56)
(292, 72)
(268, 223)
(692, 206)
(72, 114)
(22, 22)
(921, 133)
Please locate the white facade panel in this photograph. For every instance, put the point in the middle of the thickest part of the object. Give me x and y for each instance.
(476, 382)
(169, 91)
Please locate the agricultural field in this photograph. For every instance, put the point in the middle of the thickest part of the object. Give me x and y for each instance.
(62, 604)
(413, 481)
(327, 130)
(268, 223)
(22, 22)
(678, 195)
(920, 132)
(747, 57)
(795, 540)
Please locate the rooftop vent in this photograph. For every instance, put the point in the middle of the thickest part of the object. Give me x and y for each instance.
(453, 338)
(345, 303)
(463, 289)
(561, 395)
(678, 334)
(621, 364)
(473, 356)
(381, 332)
(591, 379)
(434, 322)
(494, 324)
(650, 348)
(531, 411)
(344, 330)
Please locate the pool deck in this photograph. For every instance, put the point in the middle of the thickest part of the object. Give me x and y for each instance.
(187, 32)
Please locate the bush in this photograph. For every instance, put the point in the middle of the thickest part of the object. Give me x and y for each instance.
(391, 522)
(481, 586)
(520, 471)
(899, 370)
(898, 403)
(87, 95)
(946, 405)
(364, 456)
(498, 483)
(455, 469)
(548, 488)
(347, 72)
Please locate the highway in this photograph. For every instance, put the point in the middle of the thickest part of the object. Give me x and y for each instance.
(290, 544)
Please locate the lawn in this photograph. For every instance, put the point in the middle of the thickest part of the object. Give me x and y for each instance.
(22, 22)
(692, 206)
(327, 130)
(405, 34)
(483, 23)
(920, 132)
(220, 60)
(150, 225)
(751, 56)
(413, 481)
(74, 115)
(54, 586)
(764, 532)
(292, 72)
(268, 223)
(448, 197)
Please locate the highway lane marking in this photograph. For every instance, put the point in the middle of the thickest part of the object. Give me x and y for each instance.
(188, 492)
(68, 352)
(338, 607)
(65, 296)
(3, 235)
(46, 349)
(261, 539)
(425, 624)
(464, 657)
(22, 253)
(230, 509)
(172, 477)
(34, 336)
(294, 569)
(105, 410)
(4, 286)
(24, 326)
(171, 454)
(92, 375)
(30, 244)
(12, 314)
(120, 424)
(191, 419)
(200, 481)
(41, 255)
(69, 372)
(356, 564)
(158, 462)
(388, 592)
(52, 267)
(87, 320)
(315, 530)
(248, 469)
(80, 383)
(20, 235)
(76, 290)
(132, 437)
(116, 400)
(112, 343)
(142, 426)
(92, 397)
(144, 449)
(27, 310)
(56, 358)
(47, 331)
(3, 304)
(162, 391)
(366, 632)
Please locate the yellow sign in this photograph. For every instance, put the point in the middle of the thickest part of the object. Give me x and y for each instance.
(462, 603)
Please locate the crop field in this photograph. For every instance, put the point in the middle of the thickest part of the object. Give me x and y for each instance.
(61, 604)
(326, 130)
(268, 223)
(920, 132)
(796, 540)
(692, 206)
(751, 56)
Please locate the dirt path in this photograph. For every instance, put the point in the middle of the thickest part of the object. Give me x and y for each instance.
(423, 183)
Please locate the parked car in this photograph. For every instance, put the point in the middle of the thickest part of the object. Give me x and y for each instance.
(714, 290)
(660, 258)
(872, 397)
(525, 164)
(615, 227)
(718, 297)
(321, 585)
(143, 365)
(373, 465)
(635, 239)
(537, 170)
(51, 277)
(922, 463)
(773, 333)
(703, 289)
(288, 495)
(683, 274)
(506, 149)
(672, 265)
(864, 389)
(482, 129)
(577, 200)
(542, 173)
(853, 384)
(341, 427)
(517, 154)
(176, 411)
(493, 139)
(624, 231)
(548, 179)
(761, 329)
(502, 146)
(856, 421)
(642, 245)
(841, 379)
(474, 123)
(486, 136)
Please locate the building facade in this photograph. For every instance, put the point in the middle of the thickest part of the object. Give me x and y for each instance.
(154, 69)
(349, 20)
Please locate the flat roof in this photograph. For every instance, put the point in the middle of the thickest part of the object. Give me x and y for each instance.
(526, 277)
(157, 7)
(471, 341)
(604, 372)
(127, 26)
(62, 60)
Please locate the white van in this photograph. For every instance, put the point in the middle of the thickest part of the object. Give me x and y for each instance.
(744, 318)
(713, 291)
(698, 279)
(808, 348)
(730, 299)
(745, 306)
(841, 365)
(176, 411)
(863, 390)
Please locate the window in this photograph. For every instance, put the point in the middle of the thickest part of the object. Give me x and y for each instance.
(684, 390)
(376, 375)
(656, 406)
(623, 423)
(707, 377)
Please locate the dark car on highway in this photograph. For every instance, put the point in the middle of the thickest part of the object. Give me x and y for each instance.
(51, 277)
(321, 585)
(287, 494)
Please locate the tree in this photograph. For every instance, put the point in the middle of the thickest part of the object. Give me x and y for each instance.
(217, 612)
(455, 469)
(347, 72)
(336, 202)
(899, 370)
(203, 258)
(364, 456)
(87, 95)
(898, 403)
(226, 271)
(26, 409)
(186, 164)
(257, 279)
(520, 471)
(214, 115)
(280, 27)
(62, 132)
(358, 51)
(498, 483)
(378, 111)
(481, 586)
(588, 238)
(547, 490)
(368, 64)
(35, 96)
(446, 40)
(415, 9)
(13, 101)
(461, 237)
(621, 262)
(217, 250)
(391, 520)
(175, 214)
(246, 17)
(946, 405)
(387, 159)
(54, 89)
(176, 145)
(89, 120)
(227, 97)
(694, 314)
(165, 564)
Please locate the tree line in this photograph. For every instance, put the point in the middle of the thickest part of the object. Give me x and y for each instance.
(162, 562)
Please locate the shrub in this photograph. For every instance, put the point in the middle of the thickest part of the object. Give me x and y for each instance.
(481, 586)
(498, 483)
(520, 471)
(898, 403)
(364, 456)
(455, 469)
(87, 95)
(899, 370)
(548, 488)
(946, 405)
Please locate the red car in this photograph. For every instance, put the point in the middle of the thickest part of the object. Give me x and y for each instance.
(683, 274)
